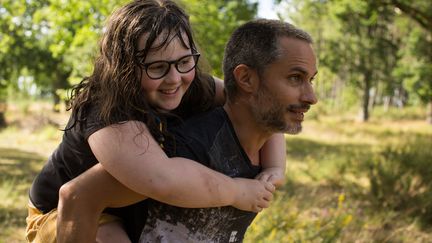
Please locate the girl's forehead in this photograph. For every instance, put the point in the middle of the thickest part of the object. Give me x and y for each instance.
(164, 40)
(172, 50)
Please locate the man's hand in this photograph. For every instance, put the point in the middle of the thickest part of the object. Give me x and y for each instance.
(273, 175)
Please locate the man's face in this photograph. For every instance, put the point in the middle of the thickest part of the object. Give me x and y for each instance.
(285, 92)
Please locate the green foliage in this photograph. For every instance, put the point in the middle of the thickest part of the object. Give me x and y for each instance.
(398, 114)
(401, 177)
(71, 33)
(54, 42)
(375, 48)
(287, 221)
(213, 22)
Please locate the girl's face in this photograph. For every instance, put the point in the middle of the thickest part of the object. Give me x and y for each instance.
(165, 93)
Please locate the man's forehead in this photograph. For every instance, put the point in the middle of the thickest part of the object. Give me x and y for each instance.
(295, 46)
(296, 55)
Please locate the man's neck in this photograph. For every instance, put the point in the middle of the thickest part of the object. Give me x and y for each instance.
(249, 133)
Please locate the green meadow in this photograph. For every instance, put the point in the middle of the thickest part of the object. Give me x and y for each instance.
(347, 181)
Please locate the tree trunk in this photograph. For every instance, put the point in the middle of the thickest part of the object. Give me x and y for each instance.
(366, 96)
(56, 100)
(2, 114)
(429, 112)
(61, 82)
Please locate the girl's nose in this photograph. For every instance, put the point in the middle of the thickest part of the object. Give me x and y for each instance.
(173, 76)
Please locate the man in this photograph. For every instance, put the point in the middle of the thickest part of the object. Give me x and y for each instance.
(269, 66)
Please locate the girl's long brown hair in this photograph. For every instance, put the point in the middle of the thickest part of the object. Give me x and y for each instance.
(114, 88)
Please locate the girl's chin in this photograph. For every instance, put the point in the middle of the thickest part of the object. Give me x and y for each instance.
(167, 108)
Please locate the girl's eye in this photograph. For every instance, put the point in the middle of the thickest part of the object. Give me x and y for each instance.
(185, 60)
(157, 66)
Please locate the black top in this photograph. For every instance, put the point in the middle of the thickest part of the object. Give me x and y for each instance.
(73, 156)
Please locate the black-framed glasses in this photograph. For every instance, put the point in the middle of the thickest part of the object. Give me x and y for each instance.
(158, 69)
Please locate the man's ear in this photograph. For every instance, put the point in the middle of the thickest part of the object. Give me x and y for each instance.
(246, 78)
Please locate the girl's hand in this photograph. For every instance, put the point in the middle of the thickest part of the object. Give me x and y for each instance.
(253, 195)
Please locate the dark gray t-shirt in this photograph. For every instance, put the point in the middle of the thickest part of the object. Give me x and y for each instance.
(210, 139)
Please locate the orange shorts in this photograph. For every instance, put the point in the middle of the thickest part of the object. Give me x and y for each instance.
(42, 228)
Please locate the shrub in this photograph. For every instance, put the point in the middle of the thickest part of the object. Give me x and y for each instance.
(400, 177)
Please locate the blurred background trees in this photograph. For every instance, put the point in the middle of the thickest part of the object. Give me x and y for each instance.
(371, 53)
(379, 51)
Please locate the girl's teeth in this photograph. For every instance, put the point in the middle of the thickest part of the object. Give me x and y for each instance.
(171, 91)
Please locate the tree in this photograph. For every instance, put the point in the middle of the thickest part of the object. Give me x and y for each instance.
(213, 21)
(353, 41)
(420, 45)
(16, 44)
(70, 36)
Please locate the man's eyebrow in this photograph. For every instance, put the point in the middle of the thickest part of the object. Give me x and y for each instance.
(303, 71)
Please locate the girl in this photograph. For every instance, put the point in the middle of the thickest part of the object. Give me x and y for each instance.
(146, 68)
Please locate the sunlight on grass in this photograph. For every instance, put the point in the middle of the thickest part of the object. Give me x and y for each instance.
(329, 193)
(347, 181)
(24, 146)
(8, 193)
(41, 140)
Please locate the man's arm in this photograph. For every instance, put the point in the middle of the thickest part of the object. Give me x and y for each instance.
(273, 160)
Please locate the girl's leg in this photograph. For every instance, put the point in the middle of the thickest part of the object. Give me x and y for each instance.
(82, 200)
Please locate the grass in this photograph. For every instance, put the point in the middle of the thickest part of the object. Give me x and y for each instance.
(347, 181)
(24, 147)
(353, 182)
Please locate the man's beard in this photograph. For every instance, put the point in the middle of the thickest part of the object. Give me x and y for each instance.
(270, 113)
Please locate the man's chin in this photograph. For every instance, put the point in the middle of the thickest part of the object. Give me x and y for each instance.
(293, 129)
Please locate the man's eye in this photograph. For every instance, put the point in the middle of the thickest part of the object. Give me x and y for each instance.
(295, 79)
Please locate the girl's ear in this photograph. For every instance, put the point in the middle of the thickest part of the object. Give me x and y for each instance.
(246, 78)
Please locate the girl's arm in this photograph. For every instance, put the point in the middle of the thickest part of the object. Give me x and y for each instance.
(138, 162)
(82, 200)
(219, 91)
(273, 160)
(130, 154)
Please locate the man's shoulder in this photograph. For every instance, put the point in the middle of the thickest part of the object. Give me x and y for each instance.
(204, 124)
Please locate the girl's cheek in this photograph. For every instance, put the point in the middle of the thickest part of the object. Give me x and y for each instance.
(190, 77)
(149, 84)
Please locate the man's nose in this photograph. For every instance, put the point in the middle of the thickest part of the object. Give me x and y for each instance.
(308, 94)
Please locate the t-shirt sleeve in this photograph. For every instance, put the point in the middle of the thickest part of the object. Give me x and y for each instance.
(92, 124)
